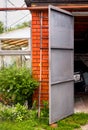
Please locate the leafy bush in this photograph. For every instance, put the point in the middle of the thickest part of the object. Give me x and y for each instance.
(17, 112)
(17, 85)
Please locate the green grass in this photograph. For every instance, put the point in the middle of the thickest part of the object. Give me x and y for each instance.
(72, 122)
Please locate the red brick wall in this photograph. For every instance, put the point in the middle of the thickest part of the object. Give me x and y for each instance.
(40, 36)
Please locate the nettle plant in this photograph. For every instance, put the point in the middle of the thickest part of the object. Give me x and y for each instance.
(17, 85)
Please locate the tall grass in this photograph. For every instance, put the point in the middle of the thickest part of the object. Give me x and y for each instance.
(71, 123)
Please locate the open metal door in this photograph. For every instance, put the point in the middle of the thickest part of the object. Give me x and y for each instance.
(61, 54)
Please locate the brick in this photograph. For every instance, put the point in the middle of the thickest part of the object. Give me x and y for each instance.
(45, 72)
(34, 69)
(36, 49)
(36, 45)
(35, 26)
(34, 22)
(35, 13)
(36, 53)
(35, 18)
(38, 22)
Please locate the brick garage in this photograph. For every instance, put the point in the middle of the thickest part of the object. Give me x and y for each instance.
(40, 34)
(42, 44)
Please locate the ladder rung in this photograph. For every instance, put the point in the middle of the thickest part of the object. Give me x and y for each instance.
(44, 81)
(45, 59)
(44, 48)
(44, 93)
(45, 27)
(44, 17)
(44, 70)
(44, 37)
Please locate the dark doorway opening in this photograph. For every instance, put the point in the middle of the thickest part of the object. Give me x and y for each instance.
(81, 62)
(81, 54)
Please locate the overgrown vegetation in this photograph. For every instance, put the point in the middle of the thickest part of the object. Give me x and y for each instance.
(1, 27)
(14, 113)
(73, 122)
(20, 112)
(17, 85)
(19, 118)
(19, 26)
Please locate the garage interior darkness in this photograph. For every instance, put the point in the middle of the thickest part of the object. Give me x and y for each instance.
(81, 53)
(81, 62)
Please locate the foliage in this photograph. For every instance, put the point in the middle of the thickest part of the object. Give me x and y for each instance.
(15, 113)
(80, 118)
(74, 121)
(17, 84)
(1, 27)
(33, 123)
(25, 24)
(45, 109)
(11, 116)
(19, 26)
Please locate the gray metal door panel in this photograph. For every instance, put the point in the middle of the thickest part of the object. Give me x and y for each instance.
(62, 31)
(61, 90)
(61, 65)
(63, 38)
(64, 105)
